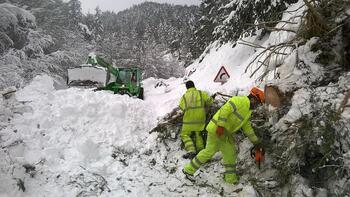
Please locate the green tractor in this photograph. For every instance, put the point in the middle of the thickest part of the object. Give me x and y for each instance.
(118, 80)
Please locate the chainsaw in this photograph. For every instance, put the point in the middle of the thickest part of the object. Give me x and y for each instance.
(257, 153)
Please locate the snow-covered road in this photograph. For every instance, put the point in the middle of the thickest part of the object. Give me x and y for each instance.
(76, 142)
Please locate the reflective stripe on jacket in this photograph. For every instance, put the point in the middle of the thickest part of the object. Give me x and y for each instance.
(193, 104)
(234, 115)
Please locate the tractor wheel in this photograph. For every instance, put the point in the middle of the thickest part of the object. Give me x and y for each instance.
(141, 94)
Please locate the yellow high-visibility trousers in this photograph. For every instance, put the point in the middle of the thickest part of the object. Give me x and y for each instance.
(190, 145)
(225, 144)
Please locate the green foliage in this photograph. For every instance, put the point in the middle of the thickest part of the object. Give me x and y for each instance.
(318, 138)
(227, 20)
(322, 18)
(203, 35)
(332, 55)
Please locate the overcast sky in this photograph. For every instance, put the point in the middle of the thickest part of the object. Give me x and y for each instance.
(118, 5)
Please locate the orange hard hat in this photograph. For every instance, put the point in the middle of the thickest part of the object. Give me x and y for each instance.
(259, 94)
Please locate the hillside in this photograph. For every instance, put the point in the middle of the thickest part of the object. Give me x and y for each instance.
(59, 141)
(302, 60)
(155, 37)
(26, 51)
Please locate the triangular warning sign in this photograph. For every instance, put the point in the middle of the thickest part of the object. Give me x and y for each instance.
(222, 76)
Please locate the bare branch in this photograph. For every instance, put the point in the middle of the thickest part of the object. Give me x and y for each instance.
(262, 25)
(256, 70)
(256, 57)
(344, 103)
(250, 44)
(274, 51)
(271, 50)
(290, 12)
(275, 22)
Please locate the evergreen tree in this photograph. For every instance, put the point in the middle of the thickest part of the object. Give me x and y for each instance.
(203, 36)
(145, 34)
(97, 26)
(227, 20)
(74, 13)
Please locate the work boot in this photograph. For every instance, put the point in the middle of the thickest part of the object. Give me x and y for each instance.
(231, 178)
(189, 155)
(189, 169)
(188, 176)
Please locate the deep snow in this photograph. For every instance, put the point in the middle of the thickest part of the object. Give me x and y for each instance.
(83, 143)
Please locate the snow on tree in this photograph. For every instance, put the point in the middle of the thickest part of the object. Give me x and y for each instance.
(87, 33)
(14, 23)
(27, 51)
(74, 13)
(97, 26)
(227, 20)
(142, 36)
(12, 15)
(306, 138)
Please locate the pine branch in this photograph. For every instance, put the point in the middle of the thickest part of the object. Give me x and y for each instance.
(318, 17)
(337, 27)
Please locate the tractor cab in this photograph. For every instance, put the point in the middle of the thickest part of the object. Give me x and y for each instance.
(128, 81)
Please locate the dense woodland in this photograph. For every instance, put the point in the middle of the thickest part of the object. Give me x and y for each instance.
(155, 37)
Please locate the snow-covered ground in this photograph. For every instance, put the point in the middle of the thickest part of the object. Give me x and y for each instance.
(237, 57)
(76, 142)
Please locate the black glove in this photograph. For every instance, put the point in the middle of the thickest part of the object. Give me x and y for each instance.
(189, 155)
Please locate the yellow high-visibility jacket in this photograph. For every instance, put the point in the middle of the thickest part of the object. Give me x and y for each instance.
(234, 115)
(193, 104)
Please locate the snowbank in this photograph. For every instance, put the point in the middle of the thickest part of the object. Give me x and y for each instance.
(70, 128)
(102, 115)
(76, 142)
(233, 59)
(164, 94)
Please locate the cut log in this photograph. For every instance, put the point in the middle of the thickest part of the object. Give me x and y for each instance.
(273, 96)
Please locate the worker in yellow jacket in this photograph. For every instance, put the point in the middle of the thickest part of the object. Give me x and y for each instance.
(231, 117)
(193, 103)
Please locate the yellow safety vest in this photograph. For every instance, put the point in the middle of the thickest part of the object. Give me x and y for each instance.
(193, 104)
(234, 115)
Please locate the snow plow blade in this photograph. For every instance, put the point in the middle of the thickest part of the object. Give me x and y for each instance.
(87, 76)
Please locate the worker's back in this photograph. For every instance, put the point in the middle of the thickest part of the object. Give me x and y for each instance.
(193, 103)
(232, 115)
